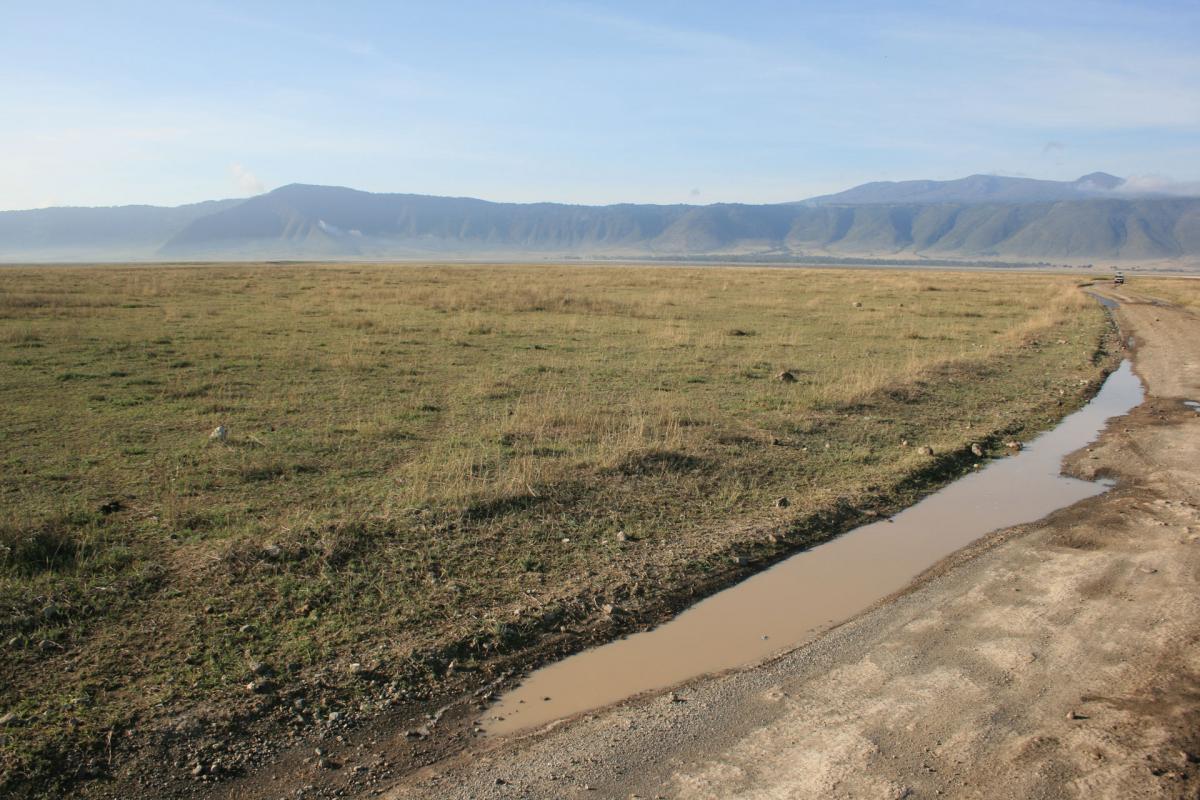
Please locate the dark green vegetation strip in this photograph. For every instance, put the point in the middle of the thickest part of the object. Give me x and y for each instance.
(436, 464)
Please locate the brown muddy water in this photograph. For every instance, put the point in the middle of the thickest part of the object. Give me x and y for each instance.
(794, 601)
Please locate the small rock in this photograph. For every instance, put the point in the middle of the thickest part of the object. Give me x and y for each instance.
(785, 377)
(355, 669)
(198, 770)
(8, 718)
(977, 450)
(856, 304)
(219, 434)
(609, 609)
(621, 537)
(904, 442)
(1015, 446)
(334, 716)
(1148, 570)
(925, 450)
(1075, 715)
(272, 551)
(782, 502)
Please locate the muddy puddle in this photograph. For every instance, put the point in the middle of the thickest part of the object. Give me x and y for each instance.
(802, 596)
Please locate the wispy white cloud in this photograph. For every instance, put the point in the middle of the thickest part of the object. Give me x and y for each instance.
(245, 180)
(363, 48)
(692, 44)
(1051, 76)
(1158, 184)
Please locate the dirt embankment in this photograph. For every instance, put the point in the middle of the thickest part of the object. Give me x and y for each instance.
(1059, 659)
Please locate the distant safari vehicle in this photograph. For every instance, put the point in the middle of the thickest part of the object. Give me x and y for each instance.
(1118, 279)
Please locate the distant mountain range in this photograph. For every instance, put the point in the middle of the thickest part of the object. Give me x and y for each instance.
(978, 217)
(975, 189)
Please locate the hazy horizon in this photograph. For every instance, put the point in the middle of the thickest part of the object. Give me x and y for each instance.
(587, 103)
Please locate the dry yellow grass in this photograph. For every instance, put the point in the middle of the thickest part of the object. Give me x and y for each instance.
(1184, 292)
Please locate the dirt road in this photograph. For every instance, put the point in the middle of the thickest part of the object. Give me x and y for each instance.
(1059, 659)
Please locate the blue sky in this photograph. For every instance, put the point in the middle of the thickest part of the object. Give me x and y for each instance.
(167, 103)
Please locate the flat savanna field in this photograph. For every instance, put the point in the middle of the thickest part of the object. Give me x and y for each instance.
(436, 464)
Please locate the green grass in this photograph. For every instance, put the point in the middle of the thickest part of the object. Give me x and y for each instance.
(409, 447)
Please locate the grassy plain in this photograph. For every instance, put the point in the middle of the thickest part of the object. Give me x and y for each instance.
(429, 464)
(1183, 292)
